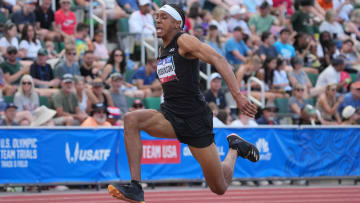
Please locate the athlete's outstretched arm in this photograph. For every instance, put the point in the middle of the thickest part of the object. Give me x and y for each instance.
(191, 47)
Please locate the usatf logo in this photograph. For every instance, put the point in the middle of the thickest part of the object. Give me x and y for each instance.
(263, 147)
(76, 154)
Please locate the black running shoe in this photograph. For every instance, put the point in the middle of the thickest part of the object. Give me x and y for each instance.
(130, 192)
(244, 149)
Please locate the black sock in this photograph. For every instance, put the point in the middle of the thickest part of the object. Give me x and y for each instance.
(136, 183)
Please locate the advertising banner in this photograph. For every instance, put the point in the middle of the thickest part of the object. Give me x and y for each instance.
(99, 155)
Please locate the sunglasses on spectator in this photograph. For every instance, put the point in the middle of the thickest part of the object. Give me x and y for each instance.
(12, 52)
(299, 90)
(26, 83)
(136, 106)
(71, 53)
(101, 112)
(358, 89)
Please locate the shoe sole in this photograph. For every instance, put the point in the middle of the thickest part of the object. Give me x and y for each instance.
(118, 195)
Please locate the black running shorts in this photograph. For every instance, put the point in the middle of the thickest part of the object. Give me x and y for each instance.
(196, 131)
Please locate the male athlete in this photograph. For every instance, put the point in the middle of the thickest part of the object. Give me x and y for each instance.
(184, 114)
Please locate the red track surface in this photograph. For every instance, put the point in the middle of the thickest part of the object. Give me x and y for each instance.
(253, 195)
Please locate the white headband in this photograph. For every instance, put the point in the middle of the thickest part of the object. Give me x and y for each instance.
(173, 12)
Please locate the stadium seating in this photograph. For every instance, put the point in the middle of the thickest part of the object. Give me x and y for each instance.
(152, 102)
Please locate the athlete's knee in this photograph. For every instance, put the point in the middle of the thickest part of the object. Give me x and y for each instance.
(130, 118)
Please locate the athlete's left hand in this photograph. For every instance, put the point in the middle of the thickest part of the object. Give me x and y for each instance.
(246, 106)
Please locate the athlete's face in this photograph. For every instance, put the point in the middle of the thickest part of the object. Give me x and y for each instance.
(165, 23)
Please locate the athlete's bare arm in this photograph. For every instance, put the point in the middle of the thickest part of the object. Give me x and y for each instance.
(191, 47)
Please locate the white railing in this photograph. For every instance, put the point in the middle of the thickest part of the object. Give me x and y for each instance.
(147, 45)
(102, 21)
(260, 103)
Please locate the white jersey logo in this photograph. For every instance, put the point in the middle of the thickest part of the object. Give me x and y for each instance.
(166, 69)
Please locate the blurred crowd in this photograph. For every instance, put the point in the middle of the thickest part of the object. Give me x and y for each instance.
(305, 53)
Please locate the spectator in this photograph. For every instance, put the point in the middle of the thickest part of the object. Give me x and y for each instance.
(99, 94)
(237, 18)
(297, 102)
(100, 50)
(213, 39)
(267, 48)
(198, 32)
(88, 68)
(298, 76)
(145, 78)
(117, 94)
(301, 20)
(69, 65)
(309, 116)
(302, 44)
(45, 20)
(351, 57)
(263, 21)
(50, 49)
(81, 35)
(26, 15)
(115, 64)
(97, 117)
(283, 47)
(66, 104)
(281, 81)
(235, 48)
(248, 69)
(81, 93)
(141, 21)
(224, 117)
(286, 3)
(137, 105)
(65, 19)
(43, 116)
(352, 98)
(10, 114)
(269, 67)
(9, 37)
(326, 4)
(218, 15)
(112, 10)
(268, 115)
(214, 94)
(42, 72)
(26, 99)
(12, 69)
(328, 103)
(29, 44)
(215, 110)
(349, 116)
(332, 26)
(331, 75)
(344, 8)
(243, 120)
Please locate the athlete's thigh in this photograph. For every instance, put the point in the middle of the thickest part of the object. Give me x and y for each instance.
(209, 159)
(154, 123)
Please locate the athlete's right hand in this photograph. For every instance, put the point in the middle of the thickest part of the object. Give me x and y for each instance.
(246, 106)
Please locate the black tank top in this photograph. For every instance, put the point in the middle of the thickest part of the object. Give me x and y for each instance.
(180, 81)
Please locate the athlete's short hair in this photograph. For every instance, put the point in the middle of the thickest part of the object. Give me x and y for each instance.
(180, 11)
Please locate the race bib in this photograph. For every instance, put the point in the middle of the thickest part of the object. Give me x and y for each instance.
(166, 69)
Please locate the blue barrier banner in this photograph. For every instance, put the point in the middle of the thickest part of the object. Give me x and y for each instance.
(45, 156)
(89, 155)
